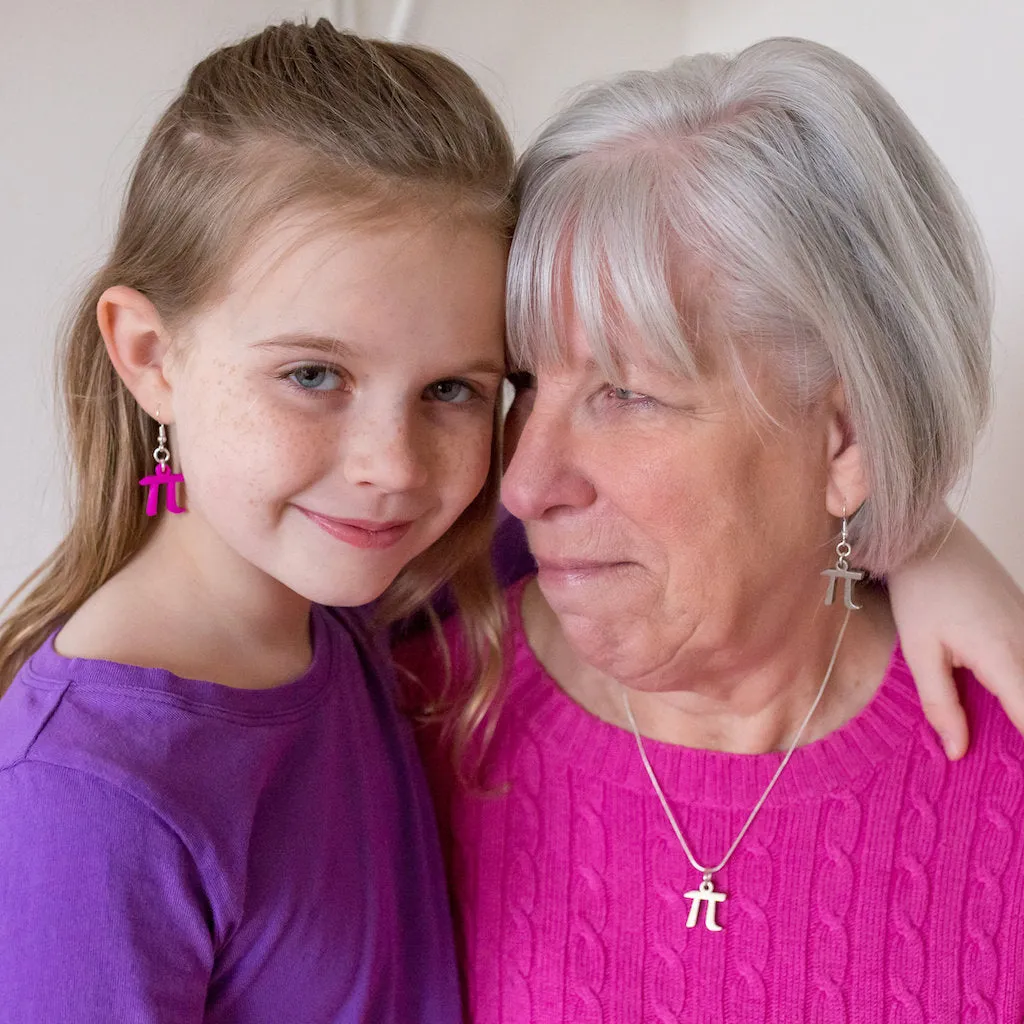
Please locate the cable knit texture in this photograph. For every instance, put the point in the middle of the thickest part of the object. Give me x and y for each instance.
(878, 883)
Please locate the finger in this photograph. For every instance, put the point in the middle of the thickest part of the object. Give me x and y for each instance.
(940, 701)
(1001, 672)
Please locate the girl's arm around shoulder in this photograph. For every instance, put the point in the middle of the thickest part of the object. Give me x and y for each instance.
(956, 606)
(102, 914)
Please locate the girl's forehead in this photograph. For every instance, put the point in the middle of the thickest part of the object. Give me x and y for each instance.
(411, 289)
(303, 234)
(303, 246)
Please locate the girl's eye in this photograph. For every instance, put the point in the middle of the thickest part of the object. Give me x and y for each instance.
(316, 378)
(451, 392)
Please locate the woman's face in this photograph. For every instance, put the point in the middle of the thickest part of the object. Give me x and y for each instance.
(673, 525)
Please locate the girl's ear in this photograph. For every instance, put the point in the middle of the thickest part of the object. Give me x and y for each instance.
(848, 485)
(138, 345)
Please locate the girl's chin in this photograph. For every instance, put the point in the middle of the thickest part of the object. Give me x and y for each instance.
(338, 586)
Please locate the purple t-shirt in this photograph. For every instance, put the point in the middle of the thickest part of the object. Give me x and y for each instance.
(173, 851)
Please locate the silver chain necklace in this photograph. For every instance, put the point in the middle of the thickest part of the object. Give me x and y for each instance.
(706, 892)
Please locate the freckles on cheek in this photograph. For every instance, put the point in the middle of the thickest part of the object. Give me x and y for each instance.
(464, 463)
(257, 447)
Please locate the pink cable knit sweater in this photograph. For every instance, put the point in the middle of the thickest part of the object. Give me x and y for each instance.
(878, 883)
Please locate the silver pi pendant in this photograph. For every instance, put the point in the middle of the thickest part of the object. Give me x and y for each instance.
(704, 894)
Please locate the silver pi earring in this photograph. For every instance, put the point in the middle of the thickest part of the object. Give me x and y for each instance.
(842, 571)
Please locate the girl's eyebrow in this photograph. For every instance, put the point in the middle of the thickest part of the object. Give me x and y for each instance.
(307, 340)
(338, 348)
(486, 366)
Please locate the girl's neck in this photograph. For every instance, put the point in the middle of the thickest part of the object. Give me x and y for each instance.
(190, 604)
(760, 709)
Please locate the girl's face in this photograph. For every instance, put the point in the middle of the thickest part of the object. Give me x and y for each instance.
(333, 412)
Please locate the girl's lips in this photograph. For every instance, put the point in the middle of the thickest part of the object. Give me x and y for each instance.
(361, 533)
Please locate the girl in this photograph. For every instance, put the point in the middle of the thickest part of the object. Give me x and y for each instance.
(212, 811)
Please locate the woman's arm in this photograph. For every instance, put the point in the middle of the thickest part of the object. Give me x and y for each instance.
(956, 606)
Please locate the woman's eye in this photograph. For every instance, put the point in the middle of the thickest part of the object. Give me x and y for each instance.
(625, 395)
(452, 392)
(316, 378)
(630, 399)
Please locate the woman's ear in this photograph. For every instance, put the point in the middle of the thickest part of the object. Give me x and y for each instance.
(848, 485)
(138, 345)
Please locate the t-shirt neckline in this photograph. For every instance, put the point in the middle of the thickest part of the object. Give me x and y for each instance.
(48, 668)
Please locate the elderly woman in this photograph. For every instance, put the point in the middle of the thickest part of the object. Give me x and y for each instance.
(756, 315)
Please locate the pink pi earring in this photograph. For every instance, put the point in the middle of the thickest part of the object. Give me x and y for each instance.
(162, 477)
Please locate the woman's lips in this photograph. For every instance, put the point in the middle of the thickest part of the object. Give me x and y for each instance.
(361, 533)
(568, 573)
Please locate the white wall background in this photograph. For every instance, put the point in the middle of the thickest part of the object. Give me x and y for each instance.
(81, 83)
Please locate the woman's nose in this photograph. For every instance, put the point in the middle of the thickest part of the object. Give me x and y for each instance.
(544, 471)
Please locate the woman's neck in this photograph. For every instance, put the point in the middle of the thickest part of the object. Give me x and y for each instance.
(759, 704)
(189, 604)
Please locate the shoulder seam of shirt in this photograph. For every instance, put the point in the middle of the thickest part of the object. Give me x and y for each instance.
(43, 723)
(135, 798)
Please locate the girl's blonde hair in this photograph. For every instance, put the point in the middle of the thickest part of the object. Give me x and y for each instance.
(297, 117)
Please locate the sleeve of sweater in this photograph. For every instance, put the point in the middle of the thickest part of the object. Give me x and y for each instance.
(102, 912)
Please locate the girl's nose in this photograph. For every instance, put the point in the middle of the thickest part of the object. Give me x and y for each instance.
(384, 453)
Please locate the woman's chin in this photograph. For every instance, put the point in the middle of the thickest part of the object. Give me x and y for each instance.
(594, 639)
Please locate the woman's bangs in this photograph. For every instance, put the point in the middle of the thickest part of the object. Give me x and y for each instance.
(591, 247)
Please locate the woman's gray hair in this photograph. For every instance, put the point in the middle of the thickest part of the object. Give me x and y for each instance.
(774, 207)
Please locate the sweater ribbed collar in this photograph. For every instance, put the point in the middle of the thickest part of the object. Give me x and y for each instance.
(844, 758)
